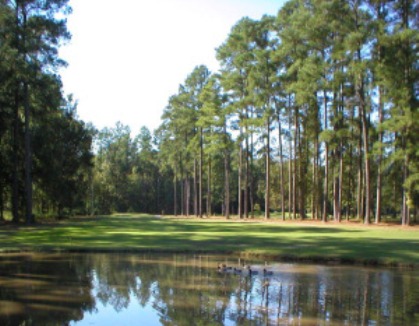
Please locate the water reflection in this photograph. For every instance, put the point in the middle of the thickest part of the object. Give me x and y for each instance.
(100, 289)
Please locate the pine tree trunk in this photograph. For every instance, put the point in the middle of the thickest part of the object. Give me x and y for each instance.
(15, 155)
(28, 158)
(326, 163)
(281, 162)
(290, 172)
(251, 178)
(302, 177)
(226, 174)
(195, 187)
(246, 175)
(380, 158)
(240, 175)
(187, 195)
(15, 160)
(201, 162)
(175, 195)
(182, 188)
(267, 172)
(340, 183)
(209, 193)
(366, 155)
(246, 178)
(315, 204)
(360, 185)
(295, 167)
(405, 206)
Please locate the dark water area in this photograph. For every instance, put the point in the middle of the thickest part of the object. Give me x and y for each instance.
(151, 289)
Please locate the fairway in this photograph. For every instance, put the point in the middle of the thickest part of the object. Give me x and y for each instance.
(313, 241)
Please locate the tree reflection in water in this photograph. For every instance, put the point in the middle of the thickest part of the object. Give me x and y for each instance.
(52, 289)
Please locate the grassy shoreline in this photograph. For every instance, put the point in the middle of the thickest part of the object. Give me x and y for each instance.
(291, 240)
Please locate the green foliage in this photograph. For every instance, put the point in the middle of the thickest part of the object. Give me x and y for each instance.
(44, 149)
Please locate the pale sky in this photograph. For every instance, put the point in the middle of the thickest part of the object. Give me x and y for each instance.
(127, 57)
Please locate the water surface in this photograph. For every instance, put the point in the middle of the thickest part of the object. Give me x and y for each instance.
(150, 289)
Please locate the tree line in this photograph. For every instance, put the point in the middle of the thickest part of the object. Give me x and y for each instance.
(312, 114)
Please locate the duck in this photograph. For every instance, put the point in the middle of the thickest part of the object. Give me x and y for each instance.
(237, 270)
(251, 271)
(221, 267)
(267, 273)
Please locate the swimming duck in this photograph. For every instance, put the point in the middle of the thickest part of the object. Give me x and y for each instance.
(221, 267)
(237, 270)
(267, 273)
(251, 271)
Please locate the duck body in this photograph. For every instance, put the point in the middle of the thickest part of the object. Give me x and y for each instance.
(251, 272)
(267, 273)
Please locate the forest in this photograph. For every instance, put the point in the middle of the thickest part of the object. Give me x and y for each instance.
(313, 114)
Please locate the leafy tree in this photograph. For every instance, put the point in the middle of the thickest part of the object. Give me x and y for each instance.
(62, 167)
(35, 34)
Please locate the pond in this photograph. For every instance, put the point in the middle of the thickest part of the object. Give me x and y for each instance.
(179, 289)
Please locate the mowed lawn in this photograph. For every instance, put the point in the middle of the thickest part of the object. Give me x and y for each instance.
(347, 242)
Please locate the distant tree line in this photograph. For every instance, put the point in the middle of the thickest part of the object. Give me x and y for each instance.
(313, 114)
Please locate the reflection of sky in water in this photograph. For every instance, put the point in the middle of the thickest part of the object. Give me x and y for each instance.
(134, 314)
(106, 314)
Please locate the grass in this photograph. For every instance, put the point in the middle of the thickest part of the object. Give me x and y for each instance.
(345, 242)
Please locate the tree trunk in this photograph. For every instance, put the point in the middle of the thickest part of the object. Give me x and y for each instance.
(201, 162)
(405, 206)
(15, 160)
(290, 171)
(360, 187)
(340, 183)
(301, 175)
(182, 188)
(246, 175)
(195, 187)
(296, 167)
(281, 162)
(28, 158)
(209, 195)
(366, 153)
(267, 172)
(175, 195)
(315, 204)
(226, 175)
(326, 162)
(187, 195)
(240, 176)
(251, 178)
(379, 158)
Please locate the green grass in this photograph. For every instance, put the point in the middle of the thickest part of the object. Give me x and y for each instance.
(300, 241)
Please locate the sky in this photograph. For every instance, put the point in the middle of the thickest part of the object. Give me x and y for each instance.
(127, 57)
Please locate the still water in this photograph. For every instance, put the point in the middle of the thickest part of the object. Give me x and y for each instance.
(151, 289)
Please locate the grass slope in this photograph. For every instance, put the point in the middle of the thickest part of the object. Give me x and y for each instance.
(311, 241)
